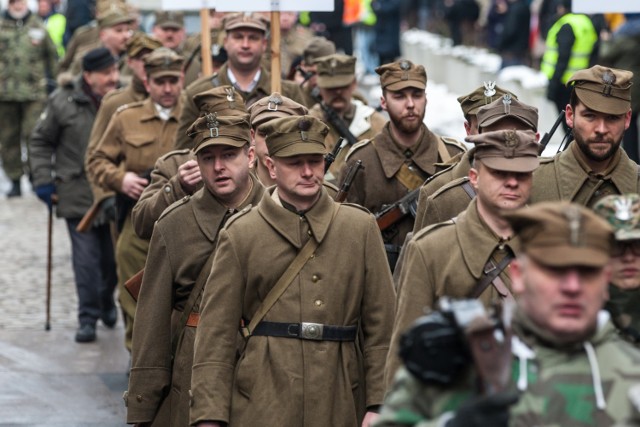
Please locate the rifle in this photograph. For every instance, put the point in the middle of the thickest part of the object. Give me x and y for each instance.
(390, 214)
(547, 136)
(89, 216)
(330, 157)
(348, 180)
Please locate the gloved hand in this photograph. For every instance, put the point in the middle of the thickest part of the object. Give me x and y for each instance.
(485, 411)
(44, 193)
(108, 208)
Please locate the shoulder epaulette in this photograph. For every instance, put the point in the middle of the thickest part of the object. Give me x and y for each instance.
(354, 205)
(172, 153)
(449, 185)
(129, 105)
(544, 160)
(356, 147)
(111, 93)
(238, 214)
(429, 229)
(173, 206)
(452, 141)
(330, 186)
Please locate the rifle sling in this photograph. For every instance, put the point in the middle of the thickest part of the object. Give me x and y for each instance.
(443, 152)
(490, 275)
(466, 186)
(409, 178)
(285, 280)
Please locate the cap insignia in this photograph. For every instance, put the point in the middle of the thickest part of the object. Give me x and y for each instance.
(213, 124)
(574, 217)
(506, 101)
(489, 90)
(404, 65)
(304, 125)
(624, 209)
(333, 64)
(274, 101)
(510, 143)
(215, 49)
(608, 78)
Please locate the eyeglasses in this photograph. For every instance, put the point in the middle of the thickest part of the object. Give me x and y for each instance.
(621, 247)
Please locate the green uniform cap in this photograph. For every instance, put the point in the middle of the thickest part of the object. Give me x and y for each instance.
(508, 106)
(506, 150)
(223, 130)
(245, 20)
(294, 136)
(562, 234)
(622, 212)
(274, 106)
(222, 100)
(481, 96)
(169, 19)
(163, 62)
(141, 43)
(113, 16)
(335, 70)
(607, 90)
(402, 74)
(316, 48)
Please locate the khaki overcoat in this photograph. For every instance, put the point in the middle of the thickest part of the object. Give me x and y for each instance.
(447, 202)
(377, 184)
(288, 382)
(446, 259)
(183, 239)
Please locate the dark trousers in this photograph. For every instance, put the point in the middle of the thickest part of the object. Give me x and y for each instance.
(94, 268)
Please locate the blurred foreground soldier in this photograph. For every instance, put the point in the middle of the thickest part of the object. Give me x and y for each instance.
(294, 39)
(454, 197)
(300, 365)
(623, 214)
(316, 48)
(563, 345)
(469, 256)
(168, 311)
(137, 136)
(403, 155)
(192, 49)
(593, 165)
(337, 82)
(28, 57)
(169, 29)
(176, 174)
(245, 43)
(470, 104)
(58, 144)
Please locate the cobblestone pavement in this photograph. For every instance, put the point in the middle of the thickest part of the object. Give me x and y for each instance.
(47, 379)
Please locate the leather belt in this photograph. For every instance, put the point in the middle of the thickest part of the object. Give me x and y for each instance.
(306, 331)
(193, 320)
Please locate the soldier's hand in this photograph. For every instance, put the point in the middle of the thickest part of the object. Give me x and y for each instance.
(485, 411)
(189, 175)
(132, 185)
(45, 193)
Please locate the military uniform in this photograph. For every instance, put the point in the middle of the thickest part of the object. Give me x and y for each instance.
(344, 286)
(28, 58)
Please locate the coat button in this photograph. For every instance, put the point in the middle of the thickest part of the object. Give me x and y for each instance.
(167, 189)
(318, 302)
(315, 278)
(309, 232)
(139, 398)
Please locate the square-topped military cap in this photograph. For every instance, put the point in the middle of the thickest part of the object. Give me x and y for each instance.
(481, 96)
(294, 136)
(163, 62)
(602, 89)
(316, 48)
(116, 14)
(254, 21)
(212, 129)
(507, 106)
(622, 212)
(562, 234)
(335, 70)
(274, 106)
(222, 100)
(169, 19)
(506, 150)
(141, 43)
(402, 74)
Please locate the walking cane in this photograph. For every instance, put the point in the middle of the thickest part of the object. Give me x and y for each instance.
(54, 200)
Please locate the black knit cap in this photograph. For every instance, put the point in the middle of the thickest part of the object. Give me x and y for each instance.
(98, 59)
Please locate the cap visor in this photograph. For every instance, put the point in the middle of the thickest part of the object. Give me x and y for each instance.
(298, 149)
(568, 256)
(403, 84)
(494, 119)
(603, 104)
(220, 141)
(515, 164)
(331, 82)
(166, 73)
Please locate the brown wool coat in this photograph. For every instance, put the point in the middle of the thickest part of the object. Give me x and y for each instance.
(189, 226)
(163, 190)
(376, 185)
(446, 203)
(286, 381)
(190, 112)
(136, 138)
(446, 259)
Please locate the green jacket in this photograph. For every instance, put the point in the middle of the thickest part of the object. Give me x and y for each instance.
(559, 387)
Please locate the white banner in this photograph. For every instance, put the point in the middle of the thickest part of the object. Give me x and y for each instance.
(249, 5)
(608, 6)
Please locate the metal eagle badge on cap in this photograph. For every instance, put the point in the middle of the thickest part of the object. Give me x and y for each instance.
(489, 90)
(506, 102)
(405, 66)
(274, 102)
(510, 143)
(304, 125)
(608, 78)
(623, 209)
(213, 124)
(230, 94)
(333, 64)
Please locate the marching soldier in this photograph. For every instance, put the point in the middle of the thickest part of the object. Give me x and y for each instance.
(299, 365)
(316, 48)
(168, 28)
(137, 136)
(403, 155)
(469, 257)
(168, 308)
(593, 165)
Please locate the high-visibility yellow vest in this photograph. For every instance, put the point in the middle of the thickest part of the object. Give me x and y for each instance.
(586, 37)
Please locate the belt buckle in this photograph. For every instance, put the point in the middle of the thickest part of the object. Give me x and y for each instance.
(311, 331)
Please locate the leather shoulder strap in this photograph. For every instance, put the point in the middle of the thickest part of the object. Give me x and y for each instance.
(491, 271)
(443, 152)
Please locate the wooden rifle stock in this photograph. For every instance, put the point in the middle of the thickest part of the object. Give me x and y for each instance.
(85, 223)
(396, 211)
(348, 180)
(134, 283)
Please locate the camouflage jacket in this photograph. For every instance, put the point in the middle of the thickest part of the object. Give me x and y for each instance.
(623, 307)
(28, 58)
(559, 387)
